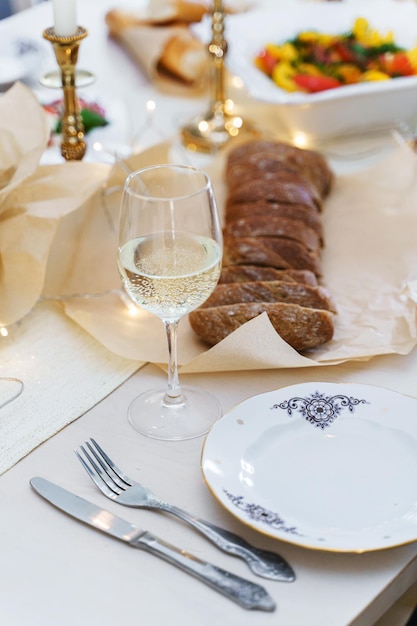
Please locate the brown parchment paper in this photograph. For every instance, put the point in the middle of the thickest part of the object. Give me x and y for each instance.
(370, 267)
(24, 134)
(58, 240)
(34, 201)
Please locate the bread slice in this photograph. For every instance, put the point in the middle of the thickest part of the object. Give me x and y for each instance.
(247, 273)
(275, 252)
(264, 153)
(301, 327)
(300, 212)
(271, 291)
(267, 226)
(274, 190)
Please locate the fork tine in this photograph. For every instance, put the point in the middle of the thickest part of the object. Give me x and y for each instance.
(116, 470)
(96, 474)
(105, 472)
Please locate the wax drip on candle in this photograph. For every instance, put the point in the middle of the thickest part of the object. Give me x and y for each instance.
(65, 20)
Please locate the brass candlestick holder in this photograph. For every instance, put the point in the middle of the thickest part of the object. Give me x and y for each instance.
(214, 130)
(73, 146)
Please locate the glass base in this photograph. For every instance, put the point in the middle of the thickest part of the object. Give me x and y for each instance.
(192, 418)
(53, 79)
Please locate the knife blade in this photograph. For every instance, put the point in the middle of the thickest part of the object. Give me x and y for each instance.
(247, 594)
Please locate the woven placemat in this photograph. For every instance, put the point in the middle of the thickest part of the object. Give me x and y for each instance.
(64, 372)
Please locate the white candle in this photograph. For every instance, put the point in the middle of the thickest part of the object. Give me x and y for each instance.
(65, 21)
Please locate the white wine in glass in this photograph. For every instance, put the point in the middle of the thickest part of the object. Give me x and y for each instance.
(169, 256)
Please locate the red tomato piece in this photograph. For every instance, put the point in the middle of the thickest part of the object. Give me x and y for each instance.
(266, 61)
(313, 84)
(343, 52)
(398, 64)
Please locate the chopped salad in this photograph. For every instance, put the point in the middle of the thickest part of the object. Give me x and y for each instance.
(312, 61)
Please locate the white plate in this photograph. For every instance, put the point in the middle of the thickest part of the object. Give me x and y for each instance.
(20, 58)
(322, 465)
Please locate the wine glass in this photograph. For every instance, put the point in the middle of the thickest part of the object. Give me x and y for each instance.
(169, 258)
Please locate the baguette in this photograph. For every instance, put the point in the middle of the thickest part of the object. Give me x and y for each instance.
(302, 328)
(273, 237)
(185, 57)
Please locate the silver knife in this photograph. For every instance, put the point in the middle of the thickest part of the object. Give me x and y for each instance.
(247, 594)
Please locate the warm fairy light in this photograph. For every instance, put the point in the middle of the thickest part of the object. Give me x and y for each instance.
(131, 309)
(228, 105)
(150, 106)
(203, 126)
(237, 82)
(300, 140)
(97, 146)
(3, 331)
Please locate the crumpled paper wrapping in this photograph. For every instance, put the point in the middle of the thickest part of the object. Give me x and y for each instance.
(22, 144)
(57, 239)
(147, 35)
(369, 264)
(38, 251)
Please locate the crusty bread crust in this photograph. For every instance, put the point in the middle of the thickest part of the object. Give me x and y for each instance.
(301, 327)
(301, 212)
(275, 190)
(184, 57)
(277, 252)
(271, 226)
(271, 291)
(263, 153)
(273, 238)
(245, 273)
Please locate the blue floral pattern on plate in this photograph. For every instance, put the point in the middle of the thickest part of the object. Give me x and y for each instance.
(320, 409)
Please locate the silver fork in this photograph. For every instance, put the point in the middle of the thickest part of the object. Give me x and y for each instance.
(116, 485)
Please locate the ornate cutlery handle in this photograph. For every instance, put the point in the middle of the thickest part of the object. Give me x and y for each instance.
(245, 593)
(262, 562)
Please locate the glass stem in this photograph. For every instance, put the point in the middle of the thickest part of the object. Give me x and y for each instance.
(173, 396)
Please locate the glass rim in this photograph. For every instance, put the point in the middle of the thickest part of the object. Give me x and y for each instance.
(207, 186)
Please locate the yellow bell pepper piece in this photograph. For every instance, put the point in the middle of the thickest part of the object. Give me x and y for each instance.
(360, 28)
(289, 52)
(372, 75)
(282, 75)
(308, 68)
(311, 36)
(370, 36)
(349, 73)
(308, 36)
(412, 57)
(274, 50)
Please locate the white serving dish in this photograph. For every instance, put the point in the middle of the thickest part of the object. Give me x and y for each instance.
(334, 112)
